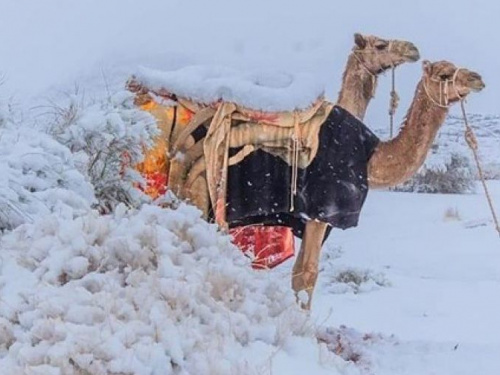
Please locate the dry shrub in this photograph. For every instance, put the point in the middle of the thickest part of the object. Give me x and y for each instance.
(455, 177)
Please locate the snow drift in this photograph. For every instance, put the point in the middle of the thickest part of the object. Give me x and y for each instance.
(153, 291)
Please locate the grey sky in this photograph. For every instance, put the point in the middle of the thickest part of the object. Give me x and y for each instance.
(52, 42)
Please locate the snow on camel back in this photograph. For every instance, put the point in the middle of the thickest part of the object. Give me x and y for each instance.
(263, 91)
(213, 117)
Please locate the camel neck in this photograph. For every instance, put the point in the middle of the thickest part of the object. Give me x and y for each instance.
(422, 122)
(398, 159)
(358, 87)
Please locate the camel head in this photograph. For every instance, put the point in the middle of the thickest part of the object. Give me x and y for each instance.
(446, 83)
(378, 55)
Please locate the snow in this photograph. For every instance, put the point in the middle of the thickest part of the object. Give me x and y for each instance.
(259, 89)
(159, 290)
(38, 176)
(441, 301)
(152, 291)
(156, 290)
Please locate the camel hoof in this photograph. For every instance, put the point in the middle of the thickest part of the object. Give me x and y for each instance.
(303, 299)
(303, 285)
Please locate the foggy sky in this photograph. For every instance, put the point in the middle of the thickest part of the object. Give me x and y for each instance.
(52, 43)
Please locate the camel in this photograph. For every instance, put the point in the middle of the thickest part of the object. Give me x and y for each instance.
(370, 57)
(396, 160)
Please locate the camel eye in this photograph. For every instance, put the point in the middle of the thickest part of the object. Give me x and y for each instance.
(380, 46)
(445, 77)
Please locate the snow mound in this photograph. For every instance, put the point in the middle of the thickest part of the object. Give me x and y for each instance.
(149, 291)
(38, 176)
(266, 91)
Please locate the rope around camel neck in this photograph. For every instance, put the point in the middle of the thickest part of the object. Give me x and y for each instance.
(372, 75)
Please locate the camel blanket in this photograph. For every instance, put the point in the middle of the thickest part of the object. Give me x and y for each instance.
(293, 137)
(254, 182)
(332, 188)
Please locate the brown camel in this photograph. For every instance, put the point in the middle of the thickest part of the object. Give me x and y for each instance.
(370, 57)
(396, 160)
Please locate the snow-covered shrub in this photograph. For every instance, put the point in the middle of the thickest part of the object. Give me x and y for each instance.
(340, 279)
(37, 177)
(492, 171)
(107, 137)
(456, 176)
(154, 291)
(353, 280)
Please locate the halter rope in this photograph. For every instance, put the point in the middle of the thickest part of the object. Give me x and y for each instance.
(372, 75)
(470, 137)
(471, 140)
(393, 104)
(394, 101)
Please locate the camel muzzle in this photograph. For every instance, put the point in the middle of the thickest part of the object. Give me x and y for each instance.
(475, 81)
(412, 54)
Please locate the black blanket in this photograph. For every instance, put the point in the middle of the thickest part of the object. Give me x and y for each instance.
(331, 189)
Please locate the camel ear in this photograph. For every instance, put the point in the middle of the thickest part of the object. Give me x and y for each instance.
(427, 67)
(360, 40)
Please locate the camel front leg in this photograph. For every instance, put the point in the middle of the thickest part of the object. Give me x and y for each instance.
(305, 269)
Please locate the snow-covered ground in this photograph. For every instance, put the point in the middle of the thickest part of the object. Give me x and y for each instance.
(414, 289)
(432, 271)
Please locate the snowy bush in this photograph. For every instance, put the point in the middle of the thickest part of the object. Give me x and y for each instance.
(354, 280)
(453, 177)
(339, 279)
(154, 291)
(106, 138)
(37, 177)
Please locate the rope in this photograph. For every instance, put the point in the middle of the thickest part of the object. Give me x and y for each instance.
(446, 105)
(472, 143)
(393, 106)
(470, 137)
(296, 140)
(372, 76)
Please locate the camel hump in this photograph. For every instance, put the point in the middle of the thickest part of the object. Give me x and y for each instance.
(261, 91)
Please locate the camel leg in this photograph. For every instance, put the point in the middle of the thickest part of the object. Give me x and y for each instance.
(175, 177)
(305, 269)
(198, 195)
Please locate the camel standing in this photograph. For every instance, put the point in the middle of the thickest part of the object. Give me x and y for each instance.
(396, 160)
(370, 57)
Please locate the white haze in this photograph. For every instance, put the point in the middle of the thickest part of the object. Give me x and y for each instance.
(53, 44)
